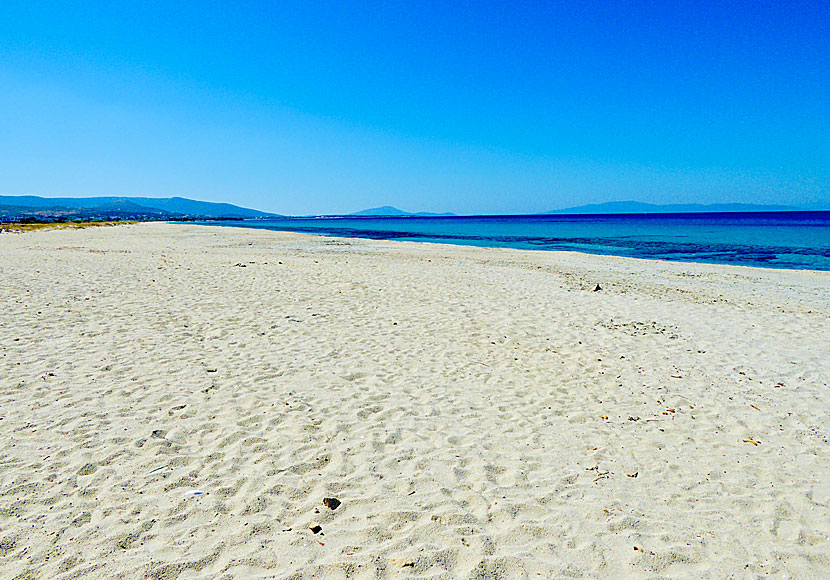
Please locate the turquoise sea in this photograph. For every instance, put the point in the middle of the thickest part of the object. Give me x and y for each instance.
(792, 240)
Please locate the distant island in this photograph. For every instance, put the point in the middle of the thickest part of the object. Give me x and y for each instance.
(611, 207)
(639, 207)
(32, 207)
(388, 210)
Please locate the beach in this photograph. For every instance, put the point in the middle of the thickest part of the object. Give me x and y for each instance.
(183, 401)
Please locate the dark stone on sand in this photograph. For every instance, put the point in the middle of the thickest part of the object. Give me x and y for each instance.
(598, 288)
(159, 433)
(316, 529)
(331, 502)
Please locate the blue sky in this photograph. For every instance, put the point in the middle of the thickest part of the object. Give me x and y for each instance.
(507, 107)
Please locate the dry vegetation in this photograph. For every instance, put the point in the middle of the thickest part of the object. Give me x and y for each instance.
(20, 227)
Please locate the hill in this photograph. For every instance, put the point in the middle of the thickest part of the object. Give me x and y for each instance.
(31, 206)
(389, 211)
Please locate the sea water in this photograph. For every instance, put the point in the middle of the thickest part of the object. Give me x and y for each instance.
(792, 240)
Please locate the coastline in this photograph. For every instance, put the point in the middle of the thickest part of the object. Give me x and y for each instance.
(768, 240)
(477, 411)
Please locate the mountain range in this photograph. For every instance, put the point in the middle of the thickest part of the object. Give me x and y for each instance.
(179, 208)
(138, 208)
(614, 207)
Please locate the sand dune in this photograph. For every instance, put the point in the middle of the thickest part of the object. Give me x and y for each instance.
(176, 401)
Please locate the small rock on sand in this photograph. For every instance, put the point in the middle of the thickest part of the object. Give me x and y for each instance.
(331, 502)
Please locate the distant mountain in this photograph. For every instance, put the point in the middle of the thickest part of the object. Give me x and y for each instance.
(124, 205)
(388, 210)
(639, 207)
(201, 208)
(143, 207)
(118, 210)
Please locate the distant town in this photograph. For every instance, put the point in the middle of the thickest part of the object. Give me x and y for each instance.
(43, 209)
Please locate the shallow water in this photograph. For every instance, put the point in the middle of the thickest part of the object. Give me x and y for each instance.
(791, 240)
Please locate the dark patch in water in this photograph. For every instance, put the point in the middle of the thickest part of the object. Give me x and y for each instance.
(675, 237)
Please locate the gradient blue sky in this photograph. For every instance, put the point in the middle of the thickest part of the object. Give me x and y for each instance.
(507, 107)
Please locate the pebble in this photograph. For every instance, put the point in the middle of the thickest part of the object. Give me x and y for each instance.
(331, 502)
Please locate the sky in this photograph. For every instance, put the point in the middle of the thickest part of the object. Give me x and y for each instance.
(465, 107)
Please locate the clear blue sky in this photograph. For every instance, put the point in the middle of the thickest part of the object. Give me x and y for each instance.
(499, 107)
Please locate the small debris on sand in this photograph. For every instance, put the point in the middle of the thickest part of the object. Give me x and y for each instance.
(402, 562)
(331, 502)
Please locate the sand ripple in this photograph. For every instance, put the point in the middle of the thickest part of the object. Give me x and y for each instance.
(167, 413)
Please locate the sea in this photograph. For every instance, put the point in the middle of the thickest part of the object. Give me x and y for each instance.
(797, 240)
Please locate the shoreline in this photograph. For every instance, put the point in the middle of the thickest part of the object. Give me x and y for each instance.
(585, 252)
(574, 255)
(179, 400)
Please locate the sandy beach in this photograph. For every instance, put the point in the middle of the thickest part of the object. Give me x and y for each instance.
(177, 401)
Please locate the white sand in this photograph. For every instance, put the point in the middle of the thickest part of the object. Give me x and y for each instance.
(480, 413)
